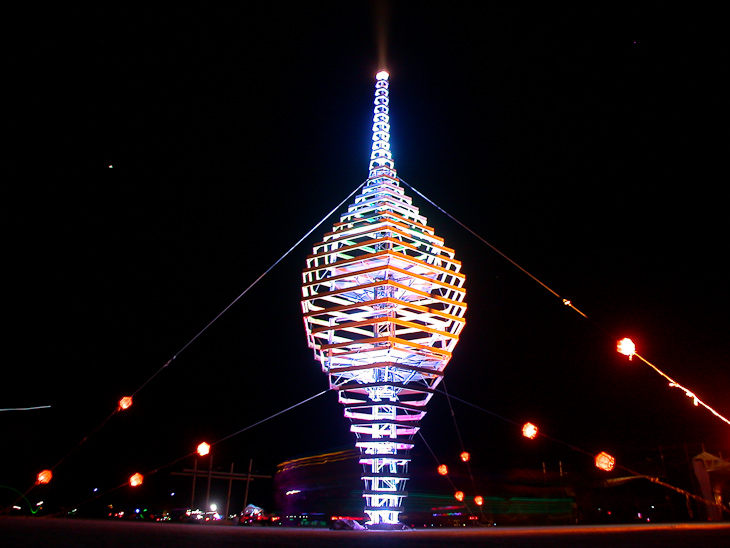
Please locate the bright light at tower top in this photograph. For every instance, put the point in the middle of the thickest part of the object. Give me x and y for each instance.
(382, 75)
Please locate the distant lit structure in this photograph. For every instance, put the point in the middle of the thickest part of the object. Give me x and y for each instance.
(383, 304)
(627, 347)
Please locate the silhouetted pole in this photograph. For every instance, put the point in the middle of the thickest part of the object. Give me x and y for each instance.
(195, 473)
(210, 473)
(230, 476)
(230, 483)
(248, 482)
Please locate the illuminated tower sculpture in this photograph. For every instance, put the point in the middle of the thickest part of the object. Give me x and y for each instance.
(383, 304)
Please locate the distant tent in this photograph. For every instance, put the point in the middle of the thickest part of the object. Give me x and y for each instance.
(253, 511)
(712, 474)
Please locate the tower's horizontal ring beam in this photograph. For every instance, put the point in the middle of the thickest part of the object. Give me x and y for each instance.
(360, 367)
(386, 475)
(391, 283)
(401, 461)
(395, 405)
(387, 253)
(409, 239)
(381, 493)
(409, 386)
(370, 341)
(385, 319)
(430, 248)
(362, 422)
(385, 300)
(367, 441)
(428, 231)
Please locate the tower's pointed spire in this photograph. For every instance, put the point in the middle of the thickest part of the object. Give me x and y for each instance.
(381, 159)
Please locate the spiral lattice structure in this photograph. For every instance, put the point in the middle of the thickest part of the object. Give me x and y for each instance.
(383, 304)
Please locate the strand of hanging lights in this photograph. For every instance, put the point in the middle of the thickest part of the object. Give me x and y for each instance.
(203, 449)
(603, 461)
(627, 347)
(126, 402)
(465, 457)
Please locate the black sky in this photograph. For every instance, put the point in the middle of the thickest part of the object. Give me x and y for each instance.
(584, 144)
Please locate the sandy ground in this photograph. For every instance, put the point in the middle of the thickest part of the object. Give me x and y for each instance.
(67, 533)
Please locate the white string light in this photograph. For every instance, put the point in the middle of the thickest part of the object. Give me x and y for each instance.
(628, 348)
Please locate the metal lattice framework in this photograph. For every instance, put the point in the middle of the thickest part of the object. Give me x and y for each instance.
(383, 304)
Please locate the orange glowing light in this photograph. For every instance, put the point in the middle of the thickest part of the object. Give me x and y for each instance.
(44, 477)
(465, 456)
(604, 461)
(136, 480)
(125, 403)
(203, 449)
(459, 495)
(529, 430)
(478, 500)
(443, 469)
(626, 347)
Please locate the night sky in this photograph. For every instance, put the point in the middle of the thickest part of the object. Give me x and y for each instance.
(584, 145)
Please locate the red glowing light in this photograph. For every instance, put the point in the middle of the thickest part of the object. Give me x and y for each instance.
(203, 449)
(136, 480)
(44, 477)
(604, 461)
(443, 469)
(626, 347)
(465, 456)
(459, 495)
(125, 403)
(529, 430)
(478, 500)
